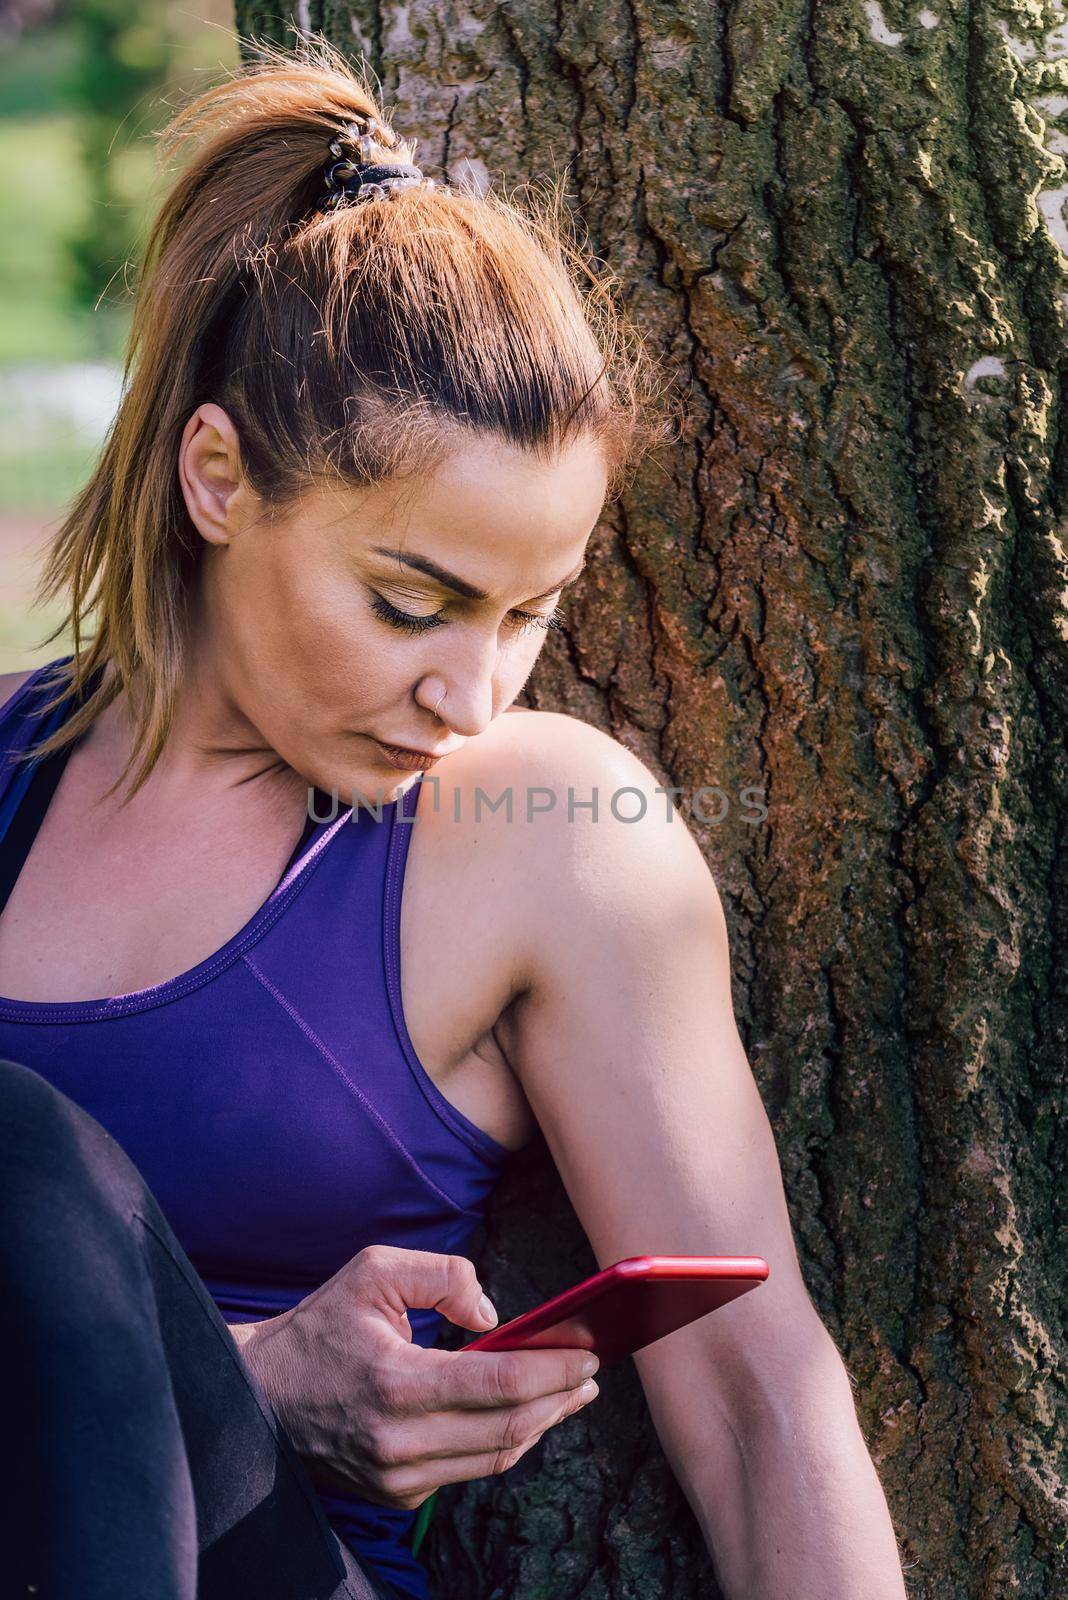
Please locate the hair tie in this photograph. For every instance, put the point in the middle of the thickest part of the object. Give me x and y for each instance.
(354, 174)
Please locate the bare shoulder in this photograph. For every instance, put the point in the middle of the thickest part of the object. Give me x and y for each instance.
(548, 741)
(539, 754)
(565, 816)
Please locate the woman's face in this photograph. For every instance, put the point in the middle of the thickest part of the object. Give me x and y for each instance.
(351, 617)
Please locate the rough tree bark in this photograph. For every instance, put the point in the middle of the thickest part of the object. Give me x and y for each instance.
(848, 591)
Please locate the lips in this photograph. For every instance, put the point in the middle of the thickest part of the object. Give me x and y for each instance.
(407, 760)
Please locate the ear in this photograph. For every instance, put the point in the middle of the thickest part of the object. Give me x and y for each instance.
(209, 470)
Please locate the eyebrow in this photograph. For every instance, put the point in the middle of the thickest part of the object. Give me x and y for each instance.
(449, 580)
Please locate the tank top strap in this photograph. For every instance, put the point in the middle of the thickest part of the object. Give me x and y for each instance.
(23, 723)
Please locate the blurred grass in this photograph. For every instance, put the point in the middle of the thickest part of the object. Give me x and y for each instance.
(39, 205)
(34, 70)
(60, 360)
(23, 629)
(45, 458)
(42, 475)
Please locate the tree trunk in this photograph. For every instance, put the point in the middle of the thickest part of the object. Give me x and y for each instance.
(849, 594)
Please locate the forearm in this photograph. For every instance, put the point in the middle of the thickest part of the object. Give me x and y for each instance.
(788, 1497)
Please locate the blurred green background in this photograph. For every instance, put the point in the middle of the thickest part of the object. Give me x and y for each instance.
(84, 86)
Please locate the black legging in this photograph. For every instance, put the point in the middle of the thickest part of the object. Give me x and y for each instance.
(141, 1459)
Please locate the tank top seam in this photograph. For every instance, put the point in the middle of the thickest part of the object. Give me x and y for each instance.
(328, 1056)
(158, 995)
(481, 1143)
(177, 988)
(411, 1208)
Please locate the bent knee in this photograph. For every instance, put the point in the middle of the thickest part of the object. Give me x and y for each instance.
(24, 1094)
(28, 1099)
(42, 1129)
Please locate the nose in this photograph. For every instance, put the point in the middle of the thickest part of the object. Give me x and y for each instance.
(464, 685)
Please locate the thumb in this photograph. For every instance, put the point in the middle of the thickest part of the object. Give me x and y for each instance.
(425, 1278)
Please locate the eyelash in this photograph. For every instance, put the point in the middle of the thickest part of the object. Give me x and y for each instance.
(410, 624)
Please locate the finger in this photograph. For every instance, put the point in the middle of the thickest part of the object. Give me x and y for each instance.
(395, 1278)
(410, 1482)
(470, 1433)
(448, 1380)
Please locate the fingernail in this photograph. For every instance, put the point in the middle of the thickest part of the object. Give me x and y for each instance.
(588, 1389)
(485, 1309)
(589, 1366)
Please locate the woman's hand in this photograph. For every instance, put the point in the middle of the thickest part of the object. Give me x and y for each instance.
(375, 1415)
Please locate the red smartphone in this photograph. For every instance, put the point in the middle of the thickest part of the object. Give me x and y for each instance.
(628, 1305)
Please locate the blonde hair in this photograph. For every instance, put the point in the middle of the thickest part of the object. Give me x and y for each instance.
(355, 344)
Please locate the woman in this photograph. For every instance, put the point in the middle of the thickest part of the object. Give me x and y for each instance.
(369, 427)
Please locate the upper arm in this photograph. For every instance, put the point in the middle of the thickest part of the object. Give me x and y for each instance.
(624, 1039)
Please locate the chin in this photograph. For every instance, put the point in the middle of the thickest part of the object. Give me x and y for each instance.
(372, 787)
(381, 789)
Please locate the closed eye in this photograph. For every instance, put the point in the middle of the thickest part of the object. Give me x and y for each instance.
(413, 624)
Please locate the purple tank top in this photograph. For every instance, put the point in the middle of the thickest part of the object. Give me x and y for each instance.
(271, 1096)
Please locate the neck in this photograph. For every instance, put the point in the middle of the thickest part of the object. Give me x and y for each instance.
(211, 746)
